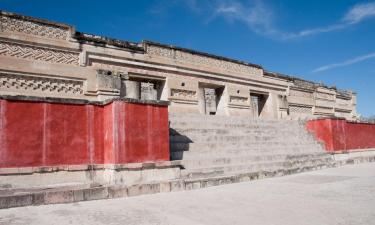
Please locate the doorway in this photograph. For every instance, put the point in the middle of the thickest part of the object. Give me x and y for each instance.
(210, 96)
(258, 102)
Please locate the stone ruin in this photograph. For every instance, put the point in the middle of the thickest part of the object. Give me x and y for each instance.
(43, 58)
(86, 117)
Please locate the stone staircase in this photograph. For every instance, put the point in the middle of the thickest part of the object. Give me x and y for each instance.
(212, 146)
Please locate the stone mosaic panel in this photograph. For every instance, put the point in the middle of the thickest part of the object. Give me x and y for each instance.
(184, 94)
(294, 109)
(38, 53)
(32, 84)
(18, 24)
(201, 60)
(238, 100)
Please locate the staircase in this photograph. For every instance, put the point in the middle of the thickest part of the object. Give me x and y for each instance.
(212, 146)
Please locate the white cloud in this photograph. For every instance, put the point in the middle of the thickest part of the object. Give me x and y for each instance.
(360, 12)
(257, 15)
(260, 18)
(345, 63)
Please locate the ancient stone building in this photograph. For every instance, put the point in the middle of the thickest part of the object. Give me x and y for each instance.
(85, 117)
(44, 58)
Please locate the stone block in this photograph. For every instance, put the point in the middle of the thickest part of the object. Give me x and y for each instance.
(95, 193)
(7, 171)
(165, 187)
(15, 201)
(142, 189)
(188, 185)
(128, 177)
(77, 167)
(38, 198)
(178, 185)
(213, 182)
(244, 178)
(25, 170)
(78, 195)
(64, 196)
(117, 191)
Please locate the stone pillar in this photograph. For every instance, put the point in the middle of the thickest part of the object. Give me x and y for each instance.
(148, 92)
(124, 78)
(210, 100)
(283, 106)
(133, 89)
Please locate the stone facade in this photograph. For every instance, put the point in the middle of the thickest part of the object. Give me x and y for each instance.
(43, 58)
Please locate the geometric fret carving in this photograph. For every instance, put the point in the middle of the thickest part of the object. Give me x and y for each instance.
(300, 109)
(17, 24)
(202, 60)
(29, 84)
(39, 53)
(180, 93)
(238, 100)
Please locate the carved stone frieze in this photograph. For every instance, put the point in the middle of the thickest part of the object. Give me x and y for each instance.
(33, 84)
(296, 109)
(38, 53)
(183, 94)
(238, 100)
(20, 25)
(201, 60)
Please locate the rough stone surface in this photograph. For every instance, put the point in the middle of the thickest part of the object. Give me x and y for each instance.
(210, 146)
(340, 196)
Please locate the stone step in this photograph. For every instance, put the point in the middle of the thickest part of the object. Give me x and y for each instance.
(187, 155)
(223, 146)
(238, 138)
(213, 125)
(226, 131)
(218, 161)
(252, 168)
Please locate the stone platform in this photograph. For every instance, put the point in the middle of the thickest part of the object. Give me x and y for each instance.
(68, 193)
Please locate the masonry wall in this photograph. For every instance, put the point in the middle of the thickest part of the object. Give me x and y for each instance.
(47, 59)
(45, 134)
(342, 135)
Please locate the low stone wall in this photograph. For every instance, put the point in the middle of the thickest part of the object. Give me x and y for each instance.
(36, 132)
(340, 135)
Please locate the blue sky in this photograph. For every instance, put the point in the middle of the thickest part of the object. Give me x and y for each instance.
(324, 41)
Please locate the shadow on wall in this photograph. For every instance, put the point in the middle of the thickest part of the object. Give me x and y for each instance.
(178, 144)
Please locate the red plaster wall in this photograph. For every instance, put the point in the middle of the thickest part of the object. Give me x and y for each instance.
(341, 135)
(45, 134)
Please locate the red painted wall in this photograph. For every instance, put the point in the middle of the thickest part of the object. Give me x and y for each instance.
(45, 134)
(341, 135)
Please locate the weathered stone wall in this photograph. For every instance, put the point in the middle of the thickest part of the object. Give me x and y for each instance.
(43, 58)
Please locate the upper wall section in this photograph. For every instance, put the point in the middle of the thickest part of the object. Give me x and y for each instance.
(202, 61)
(13, 23)
(44, 58)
